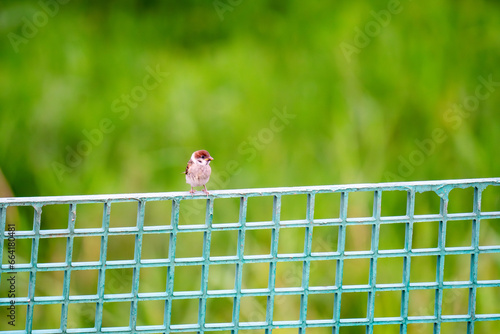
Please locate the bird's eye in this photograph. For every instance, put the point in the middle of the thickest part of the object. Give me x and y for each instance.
(203, 157)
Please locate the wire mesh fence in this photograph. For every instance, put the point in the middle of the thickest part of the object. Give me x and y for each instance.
(410, 257)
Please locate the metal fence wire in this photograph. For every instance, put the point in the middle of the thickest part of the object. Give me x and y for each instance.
(319, 296)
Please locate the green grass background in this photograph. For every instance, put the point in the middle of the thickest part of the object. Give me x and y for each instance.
(356, 119)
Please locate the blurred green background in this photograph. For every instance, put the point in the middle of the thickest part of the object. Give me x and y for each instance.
(113, 97)
(355, 118)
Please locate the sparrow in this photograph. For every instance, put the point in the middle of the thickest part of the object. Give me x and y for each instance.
(198, 170)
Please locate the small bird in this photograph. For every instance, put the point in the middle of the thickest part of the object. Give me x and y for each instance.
(198, 170)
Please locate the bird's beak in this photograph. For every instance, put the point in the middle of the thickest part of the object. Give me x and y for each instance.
(209, 159)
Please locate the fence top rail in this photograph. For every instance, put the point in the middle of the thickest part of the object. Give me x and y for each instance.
(440, 187)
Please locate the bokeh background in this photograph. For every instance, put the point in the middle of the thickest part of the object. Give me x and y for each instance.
(113, 97)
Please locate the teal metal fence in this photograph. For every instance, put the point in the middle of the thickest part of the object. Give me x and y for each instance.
(21, 303)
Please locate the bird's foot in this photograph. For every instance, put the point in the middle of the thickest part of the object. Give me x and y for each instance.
(191, 191)
(205, 190)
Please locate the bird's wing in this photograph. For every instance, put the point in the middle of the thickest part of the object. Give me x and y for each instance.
(190, 162)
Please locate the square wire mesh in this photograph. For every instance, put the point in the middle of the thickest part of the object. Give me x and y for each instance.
(259, 267)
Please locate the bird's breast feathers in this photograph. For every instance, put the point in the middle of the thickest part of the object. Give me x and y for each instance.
(197, 175)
